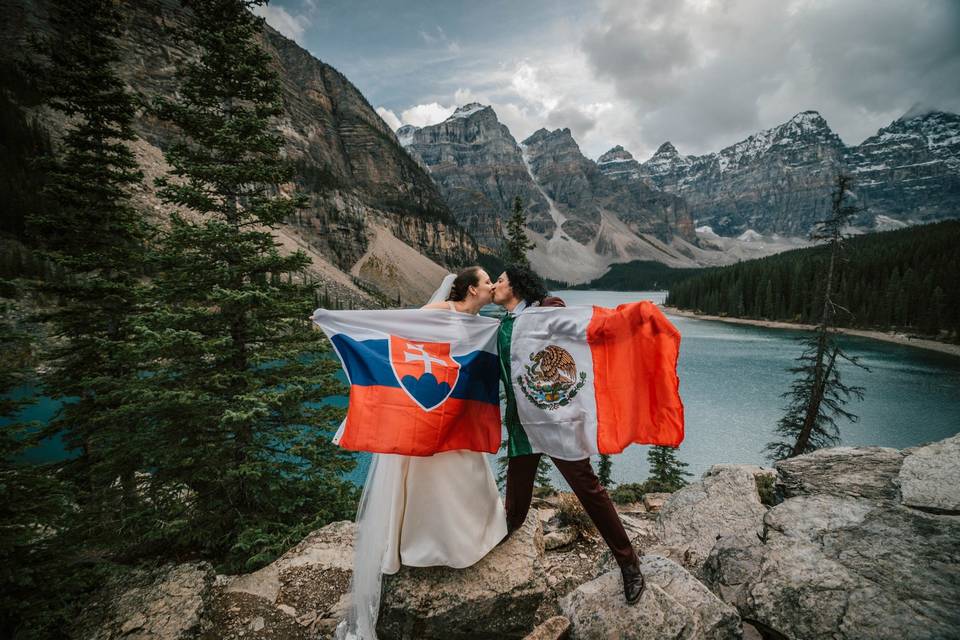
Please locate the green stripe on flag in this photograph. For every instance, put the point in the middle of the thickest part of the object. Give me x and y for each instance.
(517, 442)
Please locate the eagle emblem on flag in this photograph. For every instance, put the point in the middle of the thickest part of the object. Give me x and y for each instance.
(551, 379)
(425, 370)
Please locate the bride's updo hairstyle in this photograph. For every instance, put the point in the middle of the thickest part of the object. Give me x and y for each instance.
(469, 277)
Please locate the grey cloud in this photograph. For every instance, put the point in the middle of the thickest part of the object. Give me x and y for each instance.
(706, 78)
(576, 120)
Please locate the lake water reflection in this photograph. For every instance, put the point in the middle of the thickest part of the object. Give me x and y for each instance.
(731, 378)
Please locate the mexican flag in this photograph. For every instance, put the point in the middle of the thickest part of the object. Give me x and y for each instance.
(589, 380)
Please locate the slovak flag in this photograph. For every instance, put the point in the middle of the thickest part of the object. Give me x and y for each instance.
(422, 381)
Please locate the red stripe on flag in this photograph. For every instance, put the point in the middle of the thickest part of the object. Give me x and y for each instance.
(635, 350)
(385, 420)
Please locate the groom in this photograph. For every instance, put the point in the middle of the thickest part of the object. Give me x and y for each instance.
(517, 289)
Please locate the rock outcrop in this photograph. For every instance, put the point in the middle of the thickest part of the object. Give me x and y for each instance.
(170, 603)
(858, 472)
(725, 502)
(497, 597)
(674, 604)
(841, 557)
(306, 590)
(930, 475)
(850, 552)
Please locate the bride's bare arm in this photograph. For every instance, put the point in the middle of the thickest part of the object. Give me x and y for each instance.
(436, 305)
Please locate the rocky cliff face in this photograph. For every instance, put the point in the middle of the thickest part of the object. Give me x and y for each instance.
(348, 159)
(480, 169)
(778, 181)
(580, 219)
(910, 170)
(583, 192)
(772, 182)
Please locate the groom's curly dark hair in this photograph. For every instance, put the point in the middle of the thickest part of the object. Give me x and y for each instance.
(526, 284)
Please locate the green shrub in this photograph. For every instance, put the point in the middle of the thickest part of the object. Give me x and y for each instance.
(766, 490)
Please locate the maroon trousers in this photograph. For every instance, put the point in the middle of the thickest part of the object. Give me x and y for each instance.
(521, 473)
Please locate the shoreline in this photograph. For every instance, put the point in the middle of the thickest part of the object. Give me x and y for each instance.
(895, 338)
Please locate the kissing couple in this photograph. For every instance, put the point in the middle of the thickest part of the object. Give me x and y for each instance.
(444, 509)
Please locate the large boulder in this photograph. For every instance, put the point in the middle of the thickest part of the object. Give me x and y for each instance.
(930, 476)
(497, 597)
(858, 472)
(725, 502)
(674, 604)
(166, 604)
(302, 593)
(832, 563)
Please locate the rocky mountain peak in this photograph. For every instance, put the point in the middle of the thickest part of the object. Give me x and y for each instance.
(667, 150)
(556, 141)
(939, 131)
(666, 160)
(470, 109)
(617, 154)
(807, 120)
(405, 134)
(918, 110)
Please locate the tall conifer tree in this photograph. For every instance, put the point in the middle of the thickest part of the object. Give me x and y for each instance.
(515, 254)
(517, 244)
(238, 375)
(90, 231)
(818, 395)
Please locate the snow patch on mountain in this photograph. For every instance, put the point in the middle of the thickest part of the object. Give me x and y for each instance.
(405, 134)
(886, 223)
(467, 110)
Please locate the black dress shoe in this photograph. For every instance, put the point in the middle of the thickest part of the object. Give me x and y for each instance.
(633, 582)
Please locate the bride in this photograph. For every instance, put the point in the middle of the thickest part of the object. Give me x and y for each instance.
(439, 510)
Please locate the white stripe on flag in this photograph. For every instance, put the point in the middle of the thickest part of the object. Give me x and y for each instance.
(568, 432)
(465, 332)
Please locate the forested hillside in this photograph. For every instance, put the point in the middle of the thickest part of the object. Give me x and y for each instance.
(905, 280)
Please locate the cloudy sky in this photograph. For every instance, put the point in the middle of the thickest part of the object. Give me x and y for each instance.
(700, 73)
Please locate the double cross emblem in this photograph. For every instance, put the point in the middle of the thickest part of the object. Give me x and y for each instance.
(421, 355)
(425, 370)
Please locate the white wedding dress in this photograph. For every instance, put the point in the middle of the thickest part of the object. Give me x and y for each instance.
(439, 510)
(445, 510)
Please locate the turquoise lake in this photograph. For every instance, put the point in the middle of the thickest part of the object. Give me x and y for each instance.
(731, 378)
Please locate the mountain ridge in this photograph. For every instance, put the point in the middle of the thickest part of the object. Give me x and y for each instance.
(360, 182)
(778, 180)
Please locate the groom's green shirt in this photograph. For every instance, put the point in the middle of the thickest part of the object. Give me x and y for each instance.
(517, 442)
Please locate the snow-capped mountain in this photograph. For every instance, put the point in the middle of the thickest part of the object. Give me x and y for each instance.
(778, 181)
(910, 170)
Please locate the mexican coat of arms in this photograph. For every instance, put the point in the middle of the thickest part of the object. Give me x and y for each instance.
(551, 379)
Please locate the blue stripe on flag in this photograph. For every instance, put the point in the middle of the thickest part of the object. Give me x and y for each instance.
(368, 365)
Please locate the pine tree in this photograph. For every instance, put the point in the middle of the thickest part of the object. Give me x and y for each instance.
(817, 395)
(238, 375)
(90, 232)
(517, 244)
(666, 471)
(604, 466)
(514, 253)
